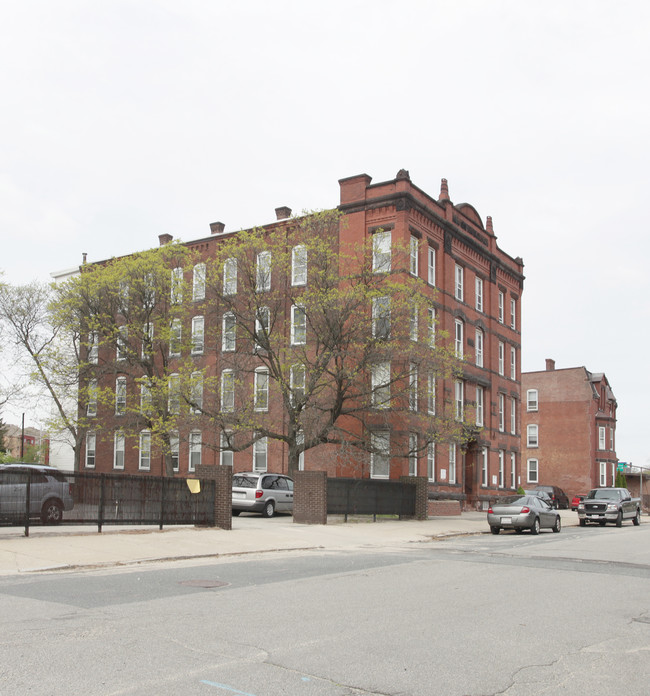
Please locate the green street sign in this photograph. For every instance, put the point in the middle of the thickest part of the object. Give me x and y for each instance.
(621, 466)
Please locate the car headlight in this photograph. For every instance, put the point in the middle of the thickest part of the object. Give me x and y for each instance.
(581, 506)
(612, 506)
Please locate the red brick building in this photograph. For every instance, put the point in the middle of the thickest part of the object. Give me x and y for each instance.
(568, 429)
(476, 290)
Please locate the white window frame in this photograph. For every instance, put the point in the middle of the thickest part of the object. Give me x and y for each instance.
(174, 450)
(431, 265)
(452, 463)
(532, 470)
(513, 363)
(480, 406)
(297, 383)
(146, 401)
(413, 454)
(147, 340)
(602, 473)
(459, 283)
(502, 412)
(502, 358)
(118, 450)
(227, 391)
(144, 451)
(513, 416)
(176, 292)
(380, 385)
(299, 265)
(198, 282)
(226, 455)
(91, 449)
(501, 310)
(478, 291)
(174, 394)
(413, 387)
(502, 468)
(120, 396)
(230, 277)
(478, 347)
(298, 325)
(431, 314)
(513, 469)
(262, 326)
(261, 455)
(381, 251)
(196, 392)
(414, 248)
(228, 332)
(431, 461)
(513, 313)
(602, 438)
(532, 435)
(122, 343)
(198, 335)
(532, 400)
(91, 402)
(380, 454)
(485, 463)
(431, 393)
(195, 448)
(300, 442)
(381, 318)
(175, 337)
(459, 337)
(93, 347)
(459, 399)
(414, 322)
(261, 389)
(263, 272)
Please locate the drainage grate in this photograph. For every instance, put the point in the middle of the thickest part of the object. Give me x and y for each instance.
(205, 584)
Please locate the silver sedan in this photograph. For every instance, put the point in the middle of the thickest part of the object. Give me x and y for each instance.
(521, 512)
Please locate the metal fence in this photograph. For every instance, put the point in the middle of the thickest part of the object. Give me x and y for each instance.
(369, 497)
(103, 499)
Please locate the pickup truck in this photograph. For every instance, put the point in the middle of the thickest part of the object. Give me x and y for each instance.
(604, 505)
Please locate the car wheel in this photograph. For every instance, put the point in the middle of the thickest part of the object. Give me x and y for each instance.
(583, 523)
(637, 519)
(602, 523)
(619, 519)
(269, 509)
(235, 513)
(495, 530)
(535, 528)
(52, 512)
(518, 530)
(558, 524)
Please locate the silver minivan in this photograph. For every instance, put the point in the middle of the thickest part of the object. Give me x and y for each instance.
(49, 492)
(267, 493)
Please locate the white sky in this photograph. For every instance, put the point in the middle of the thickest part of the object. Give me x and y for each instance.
(125, 119)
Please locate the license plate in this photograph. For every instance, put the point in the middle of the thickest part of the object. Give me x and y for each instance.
(506, 520)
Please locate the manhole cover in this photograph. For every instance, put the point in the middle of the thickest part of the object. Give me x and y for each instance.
(205, 584)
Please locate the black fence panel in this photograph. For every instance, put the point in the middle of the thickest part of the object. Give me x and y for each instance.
(370, 497)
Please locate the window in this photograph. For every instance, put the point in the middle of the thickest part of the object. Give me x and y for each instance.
(91, 407)
(413, 387)
(532, 471)
(413, 454)
(174, 394)
(531, 400)
(260, 454)
(145, 397)
(300, 443)
(262, 324)
(261, 396)
(513, 363)
(513, 469)
(226, 455)
(120, 396)
(381, 318)
(93, 347)
(459, 399)
(299, 265)
(381, 251)
(484, 466)
(458, 341)
(380, 385)
(478, 293)
(230, 277)
(380, 454)
(513, 313)
(502, 415)
(177, 286)
(611, 439)
(122, 342)
(196, 392)
(431, 314)
(531, 436)
(431, 266)
(431, 461)
(513, 416)
(603, 473)
(91, 448)
(263, 272)
(195, 451)
(459, 290)
(197, 335)
(413, 249)
(502, 357)
(602, 438)
(227, 391)
(174, 450)
(480, 406)
(175, 337)
(198, 282)
(501, 302)
(144, 460)
(148, 292)
(298, 326)
(147, 341)
(431, 393)
(413, 324)
(452, 462)
(502, 468)
(228, 332)
(123, 299)
(297, 384)
(118, 450)
(479, 347)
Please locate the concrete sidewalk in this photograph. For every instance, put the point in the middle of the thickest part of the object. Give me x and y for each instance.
(68, 548)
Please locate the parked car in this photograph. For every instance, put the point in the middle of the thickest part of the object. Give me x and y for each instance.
(521, 512)
(541, 494)
(261, 492)
(49, 492)
(559, 498)
(605, 505)
(576, 500)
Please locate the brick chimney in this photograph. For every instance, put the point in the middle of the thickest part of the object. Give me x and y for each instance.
(283, 212)
(550, 365)
(217, 227)
(164, 239)
(444, 190)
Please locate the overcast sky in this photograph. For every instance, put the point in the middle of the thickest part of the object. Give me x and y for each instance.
(125, 119)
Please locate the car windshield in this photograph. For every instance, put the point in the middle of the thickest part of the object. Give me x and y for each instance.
(512, 500)
(604, 494)
(245, 481)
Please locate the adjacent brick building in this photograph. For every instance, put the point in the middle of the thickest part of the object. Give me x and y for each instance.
(476, 290)
(568, 429)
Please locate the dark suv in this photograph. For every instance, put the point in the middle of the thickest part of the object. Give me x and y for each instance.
(49, 492)
(558, 497)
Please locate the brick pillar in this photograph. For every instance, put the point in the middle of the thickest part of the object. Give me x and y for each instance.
(222, 477)
(310, 497)
(421, 494)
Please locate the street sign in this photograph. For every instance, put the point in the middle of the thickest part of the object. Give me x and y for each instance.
(621, 466)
